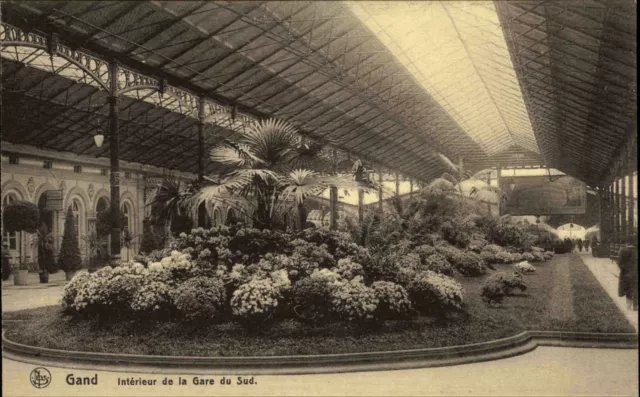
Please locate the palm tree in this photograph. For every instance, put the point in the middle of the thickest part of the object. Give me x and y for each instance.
(42, 244)
(170, 200)
(96, 247)
(268, 171)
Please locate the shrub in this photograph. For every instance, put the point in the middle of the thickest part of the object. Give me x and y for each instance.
(524, 267)
(433, 293)
(548, 255)
(153, 256)
(438, 263)
(424, 251)
(348, 269)
(393, 300)
(199, 298)
(501, 284)
(311, 297)
(255, 301)
(528, 256)
(149, 242)
(469, 264)
(21, 216)
(308, 256)
(69, 257)
(150, 296)
(249, 244)
(71, 289)
(538, 256)
(351, 300)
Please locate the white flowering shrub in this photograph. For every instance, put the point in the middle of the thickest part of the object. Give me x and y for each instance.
(524, 267)
(150, 296)
(537, 256)
(199, 298)
(348, 269)
(351, 300)
(529, 256)
(500, 285)
(255, 300)
(548, 255)
(469, 264)
(71, 289)
(438, 263)
(393, 299)
(434, 293)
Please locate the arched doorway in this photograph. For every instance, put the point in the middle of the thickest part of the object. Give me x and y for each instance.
(203, 216)
(102, 254)
(217, 217)
(231, 217)
(45, 216)
(13, 240)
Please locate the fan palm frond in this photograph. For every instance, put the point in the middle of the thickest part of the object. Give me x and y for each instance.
(272, 140)
(233, 154)
(301, 184)
(450, 164)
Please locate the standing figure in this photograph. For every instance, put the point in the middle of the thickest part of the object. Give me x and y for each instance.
(580, 244)
(586, 244)
(628, 280)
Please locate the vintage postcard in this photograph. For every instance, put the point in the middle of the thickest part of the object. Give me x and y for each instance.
(319, 198)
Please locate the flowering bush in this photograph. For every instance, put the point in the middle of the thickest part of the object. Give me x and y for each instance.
(255, 301)
(528, 256)
(435, 293)
(538, 256)
(307, 257)
(153, 256)
(150, 296)
(348, 269)
(352, 300)
(524, 267)
(71, 289)
(199, 298)
(311, 297)
(439, 264)
(548, 255)
(469, 264)
(424, 251)
(501, 284)
(393, 299)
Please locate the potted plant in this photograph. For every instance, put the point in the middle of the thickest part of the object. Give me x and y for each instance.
(42, 245)
(20, 272)
(69, 258)
(21, 216)
(6, 262)
(96, 249)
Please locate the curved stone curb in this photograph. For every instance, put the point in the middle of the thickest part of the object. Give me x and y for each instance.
(315, 364)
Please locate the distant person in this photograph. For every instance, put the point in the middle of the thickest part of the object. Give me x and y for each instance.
(586, 244)
(580, 244)
(628, 280)
(594, 246)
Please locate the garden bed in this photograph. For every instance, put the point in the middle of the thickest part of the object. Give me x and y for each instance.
(592, 311)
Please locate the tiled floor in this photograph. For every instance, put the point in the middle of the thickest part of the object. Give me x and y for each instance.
(34, 294)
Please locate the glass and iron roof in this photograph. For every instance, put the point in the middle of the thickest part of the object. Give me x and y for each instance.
(398, 84)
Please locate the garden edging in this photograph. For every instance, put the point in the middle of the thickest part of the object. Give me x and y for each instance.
(326, 363)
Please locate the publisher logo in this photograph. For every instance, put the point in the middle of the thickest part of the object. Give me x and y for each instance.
(40, 377)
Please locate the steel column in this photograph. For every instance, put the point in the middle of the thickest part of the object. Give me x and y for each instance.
(333, 207)
(201, 125)
(114, 152)
(360, 205)
(380, 190)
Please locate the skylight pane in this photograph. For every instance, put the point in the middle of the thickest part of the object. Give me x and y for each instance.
(457, 51)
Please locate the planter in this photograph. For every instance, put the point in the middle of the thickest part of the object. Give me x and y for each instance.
(70, 275)
(44, 278)
(20, 277)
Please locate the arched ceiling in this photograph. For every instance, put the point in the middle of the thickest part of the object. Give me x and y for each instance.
(496, 84)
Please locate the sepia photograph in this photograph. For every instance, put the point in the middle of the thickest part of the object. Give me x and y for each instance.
(319, 198)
